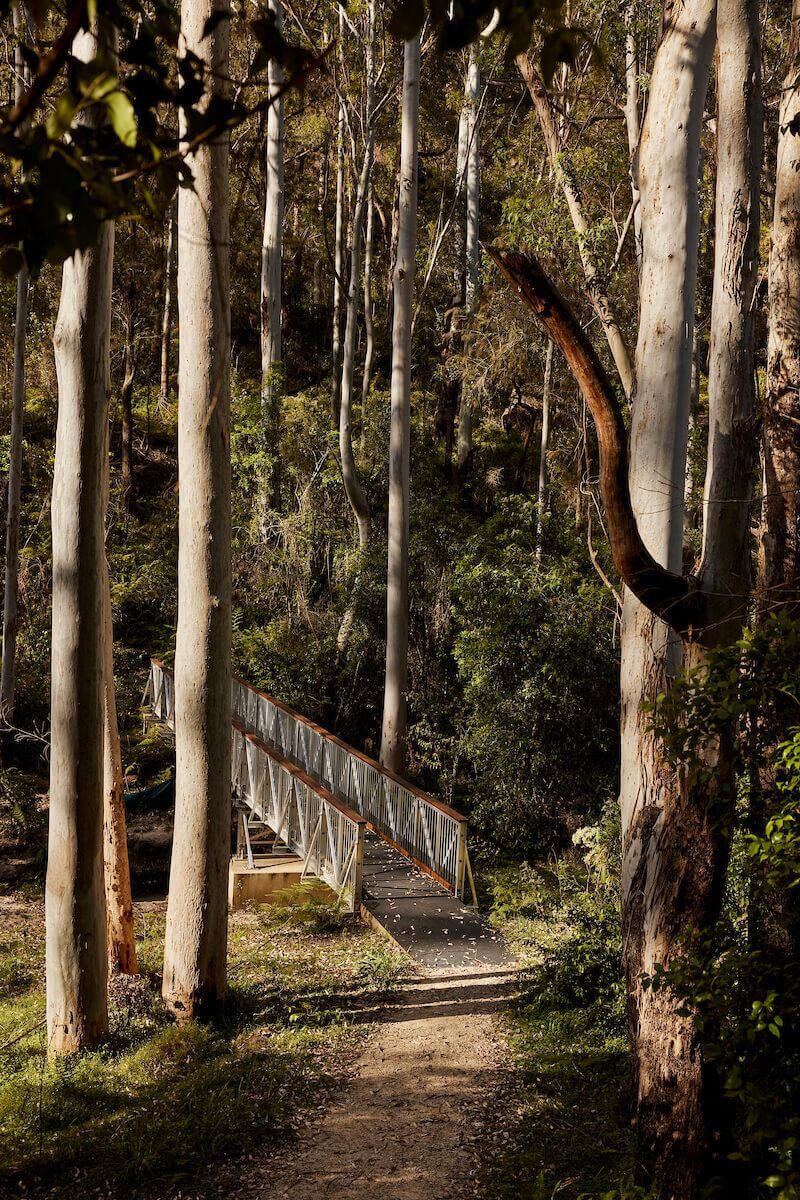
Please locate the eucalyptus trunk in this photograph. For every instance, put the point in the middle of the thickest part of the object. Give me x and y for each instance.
(393, 735)
(472, 243)
(272, 264)
(166, 315)
(780, 543)
(196, 933)
(75, 916)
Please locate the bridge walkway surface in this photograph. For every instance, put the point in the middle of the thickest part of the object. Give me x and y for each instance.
(393, 853)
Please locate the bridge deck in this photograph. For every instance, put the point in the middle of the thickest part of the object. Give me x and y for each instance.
(422, 916)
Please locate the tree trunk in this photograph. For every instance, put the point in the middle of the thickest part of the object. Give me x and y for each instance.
(393, 736)
(545, 443)
(352, 484)
(600, 299)
(369, 317)
(670, 860)
(633, 123)
(11, 576)
(76, 965)
(338, 249)
(116, 868)
(472, 244)
(126, 405)
(780, 542)
(166, 316)
(271, 268)
(196, 934)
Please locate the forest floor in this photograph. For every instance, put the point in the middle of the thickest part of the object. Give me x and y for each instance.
(413, 1120)
(339, 1069)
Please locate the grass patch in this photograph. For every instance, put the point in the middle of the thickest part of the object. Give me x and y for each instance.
(160, 1108)
(565, 1112)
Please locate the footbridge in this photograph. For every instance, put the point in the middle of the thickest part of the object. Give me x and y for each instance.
(391, 851)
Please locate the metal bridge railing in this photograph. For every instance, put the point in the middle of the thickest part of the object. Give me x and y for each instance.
(278, 793)
(432, 834)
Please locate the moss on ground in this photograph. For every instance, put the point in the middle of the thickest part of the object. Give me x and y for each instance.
(161, 1110)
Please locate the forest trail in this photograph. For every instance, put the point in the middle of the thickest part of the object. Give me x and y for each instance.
(405, 1126)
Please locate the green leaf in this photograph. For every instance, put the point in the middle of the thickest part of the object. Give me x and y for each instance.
(60, 118)
(123, 117)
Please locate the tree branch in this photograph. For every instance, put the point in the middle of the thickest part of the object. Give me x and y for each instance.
(677, 599)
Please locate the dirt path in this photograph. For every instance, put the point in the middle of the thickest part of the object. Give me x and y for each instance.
(402, 1128)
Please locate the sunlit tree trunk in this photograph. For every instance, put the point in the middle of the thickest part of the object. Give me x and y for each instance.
(11, 574)
(196, 933)
(599, 296)
(472, 244)
(76, 965)
(338, 248)
(126, 403)
(633, 122)
(116, 868)
(780, 543)
(272, 264)
(393, 736)
(541, 501)
(166, 315)
(352, 484)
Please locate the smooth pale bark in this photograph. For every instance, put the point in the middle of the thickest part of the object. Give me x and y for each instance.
(166, 315)
(599, 297)
(450, 396)
(126, 406)
(196, 933)
(780, 542)
(725, 563)
(272, 259)
(369, 313)
(633, 123)
(369, 321)
(667, 877)
(472, 243)
(352, 484)
(11, 572)
(541, 500)
(338, 248)
(393, 734)
(75, 917)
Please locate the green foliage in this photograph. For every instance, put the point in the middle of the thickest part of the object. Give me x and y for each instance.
(535, 658)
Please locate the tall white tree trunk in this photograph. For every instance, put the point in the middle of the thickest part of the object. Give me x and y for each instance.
(196, 934)
(545, 445)
(272, 258)
(352, 484)
(633, 122)
(76, 964)
(472, 243)
(780, 546)
(338, 247)
(393, 736)
(11, 574)
(657, 831)
(725, 564)
(166, 316)
(369, 313)
(599, 296)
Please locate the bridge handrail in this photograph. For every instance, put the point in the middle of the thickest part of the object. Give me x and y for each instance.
(428, 831)
(312, 822)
